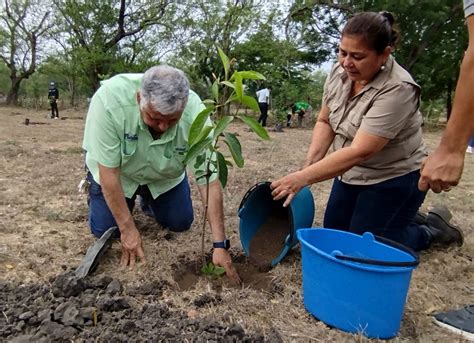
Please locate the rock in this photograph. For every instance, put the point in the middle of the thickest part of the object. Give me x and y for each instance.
(22, 339)
(26, 315)
(112, 304)
(115, 287)
(45, 315)
(68, 314)
(67, 285)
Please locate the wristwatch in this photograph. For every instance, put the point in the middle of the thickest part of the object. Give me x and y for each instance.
(223, 245)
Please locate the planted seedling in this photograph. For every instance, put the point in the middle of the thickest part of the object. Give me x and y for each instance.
(205, 136)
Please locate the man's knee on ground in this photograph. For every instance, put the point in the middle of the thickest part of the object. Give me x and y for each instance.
(180, 224)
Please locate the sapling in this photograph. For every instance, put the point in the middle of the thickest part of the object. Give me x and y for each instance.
(205, 136)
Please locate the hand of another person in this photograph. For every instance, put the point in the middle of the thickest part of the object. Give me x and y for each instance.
(441, 170)
(287, 187)
(132, 247)
(221, 257)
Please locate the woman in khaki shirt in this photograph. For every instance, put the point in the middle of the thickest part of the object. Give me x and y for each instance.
(371, 121)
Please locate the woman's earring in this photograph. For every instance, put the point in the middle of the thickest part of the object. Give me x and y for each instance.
(382, 67)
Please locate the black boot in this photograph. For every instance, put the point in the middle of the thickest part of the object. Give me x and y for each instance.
(441, 231)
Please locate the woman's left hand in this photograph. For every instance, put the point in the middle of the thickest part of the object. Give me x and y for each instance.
(287, 187)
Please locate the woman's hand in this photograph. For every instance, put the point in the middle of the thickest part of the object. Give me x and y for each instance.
(287, 187)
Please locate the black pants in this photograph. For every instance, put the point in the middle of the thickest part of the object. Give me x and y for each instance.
(263, 113)
(54, 110)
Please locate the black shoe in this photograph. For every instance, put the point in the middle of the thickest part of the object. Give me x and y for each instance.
(441, 231)
(420, 218)
(459, 321)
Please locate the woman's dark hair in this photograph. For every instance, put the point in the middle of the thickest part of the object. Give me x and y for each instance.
(376, 28)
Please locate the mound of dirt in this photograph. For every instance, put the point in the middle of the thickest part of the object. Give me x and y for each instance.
(97, 309)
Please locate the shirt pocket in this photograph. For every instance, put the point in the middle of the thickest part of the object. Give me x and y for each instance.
(129, 147)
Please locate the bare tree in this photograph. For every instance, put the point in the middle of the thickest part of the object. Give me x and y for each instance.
(23, 22)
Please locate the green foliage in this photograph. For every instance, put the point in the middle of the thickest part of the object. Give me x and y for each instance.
(199, 139)
(212, 271)
(204, 147)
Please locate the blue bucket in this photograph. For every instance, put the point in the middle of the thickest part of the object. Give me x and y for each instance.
(258, 206)
(358, 284)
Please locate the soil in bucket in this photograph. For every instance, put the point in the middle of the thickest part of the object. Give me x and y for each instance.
(269, 240)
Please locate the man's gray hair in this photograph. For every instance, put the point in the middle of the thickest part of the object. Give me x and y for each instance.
(165, 88)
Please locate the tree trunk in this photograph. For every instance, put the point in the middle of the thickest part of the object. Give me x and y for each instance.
(12, 96)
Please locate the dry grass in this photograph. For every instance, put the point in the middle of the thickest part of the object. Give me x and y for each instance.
(44, 230)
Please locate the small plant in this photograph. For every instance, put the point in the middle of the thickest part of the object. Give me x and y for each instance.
(204, 140)
(212, 271)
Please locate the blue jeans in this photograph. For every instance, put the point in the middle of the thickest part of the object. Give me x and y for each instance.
(386, 209)
(172, 210)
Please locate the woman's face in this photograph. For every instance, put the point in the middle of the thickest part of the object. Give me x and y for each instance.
(359, 61)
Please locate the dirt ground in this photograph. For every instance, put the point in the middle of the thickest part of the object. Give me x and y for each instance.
(43, 230)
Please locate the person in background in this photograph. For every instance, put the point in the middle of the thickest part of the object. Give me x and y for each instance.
(371, 120)
(263, 98)
(53, 96)
(443, 168)
(470, 147)
(300, 108)
(135, 140)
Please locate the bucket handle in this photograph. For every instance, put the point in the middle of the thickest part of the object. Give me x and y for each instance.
(259, 184)
(384, 263)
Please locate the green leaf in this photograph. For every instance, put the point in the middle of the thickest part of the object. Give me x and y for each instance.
(218, 271)
(197, 149)
(222, 125)
(222, 168)
(228, 84)
(198, 124)
(255, 126)
(199, 161)
(215, 90)
(250, 102)
(225, 62)
(239, 87)
(207, 268)
(203, 134)
(251, 75)
(208, 102)
(235, 149)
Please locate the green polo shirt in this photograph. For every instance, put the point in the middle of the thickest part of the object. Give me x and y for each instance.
(116, 137)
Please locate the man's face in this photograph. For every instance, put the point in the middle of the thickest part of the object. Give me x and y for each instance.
(157, 121)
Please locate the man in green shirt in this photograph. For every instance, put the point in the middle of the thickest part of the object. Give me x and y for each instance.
(136, 140)
(300, 108)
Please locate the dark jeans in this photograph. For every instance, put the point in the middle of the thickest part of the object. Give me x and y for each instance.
(263, 113)
(54, 110)
(173, 209)
(386, 209)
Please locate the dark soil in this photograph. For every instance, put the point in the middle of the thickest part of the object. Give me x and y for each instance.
(99, 309)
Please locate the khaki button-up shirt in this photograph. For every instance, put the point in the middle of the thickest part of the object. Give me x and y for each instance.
(387, 107)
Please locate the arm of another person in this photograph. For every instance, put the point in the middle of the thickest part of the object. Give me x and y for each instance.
(363, 147)
(323, 135)
(132, 246)
(215, 217)
(443, 168)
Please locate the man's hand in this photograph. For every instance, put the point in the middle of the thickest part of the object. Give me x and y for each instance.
(221, 257)
(441, 170)
(132, 248)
